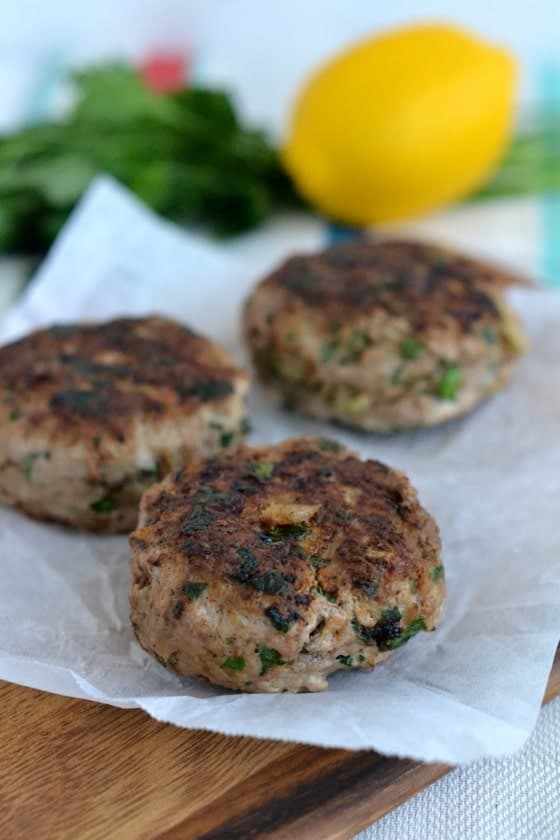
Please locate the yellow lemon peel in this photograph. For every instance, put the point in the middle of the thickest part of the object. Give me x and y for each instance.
(401, 124)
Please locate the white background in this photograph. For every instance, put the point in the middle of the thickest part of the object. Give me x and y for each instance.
(261, 48)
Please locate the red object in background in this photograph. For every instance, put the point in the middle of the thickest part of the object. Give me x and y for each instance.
(165, 71)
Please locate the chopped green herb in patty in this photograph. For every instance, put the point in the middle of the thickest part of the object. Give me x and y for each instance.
(234, 663)
(270, 658)
(193, 590)
(104, 505)
(450, 382)
(410, 348)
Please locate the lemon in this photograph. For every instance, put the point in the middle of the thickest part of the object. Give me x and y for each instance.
(401, 124)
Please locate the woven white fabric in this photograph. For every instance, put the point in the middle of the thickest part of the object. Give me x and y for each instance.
(517, 798)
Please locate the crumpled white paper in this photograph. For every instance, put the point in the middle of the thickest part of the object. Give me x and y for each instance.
(471, 689)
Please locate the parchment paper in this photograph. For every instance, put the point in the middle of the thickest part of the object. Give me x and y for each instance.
(471, 689)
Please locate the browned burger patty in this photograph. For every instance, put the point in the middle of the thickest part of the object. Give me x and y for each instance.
(268, 568)
(91, 415)
(383, 336)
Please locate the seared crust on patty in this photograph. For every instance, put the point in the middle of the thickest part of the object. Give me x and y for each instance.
(385, 335)
(95, 378)
(91, 414)
(271, 567)
(428, 286)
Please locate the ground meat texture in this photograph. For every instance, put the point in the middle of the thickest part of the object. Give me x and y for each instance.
(91, 415)
(383, 336)
(269, 568)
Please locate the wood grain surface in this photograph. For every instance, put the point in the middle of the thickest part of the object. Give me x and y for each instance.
(77, 770)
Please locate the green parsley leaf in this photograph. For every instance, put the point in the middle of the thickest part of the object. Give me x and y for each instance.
(346, 660)
(193, 590)
(248, 565)
(28, 462)
(207, 390)
(328, 351)
(225, 437)
(410, 348)
(198, 520)
(450, 381)
(209, 169)
(270, 658)
(437, 573)
(392, 614)
(318, 562)
(234, 663)
(262, 469)
(271, 582)
(413, 628)
(104, 505)
(355, 347)
(387, 628)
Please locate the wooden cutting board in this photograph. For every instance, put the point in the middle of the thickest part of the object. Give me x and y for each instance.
(81, 771)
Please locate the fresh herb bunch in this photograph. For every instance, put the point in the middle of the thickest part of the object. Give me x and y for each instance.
(185, 154)
(532, 161)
